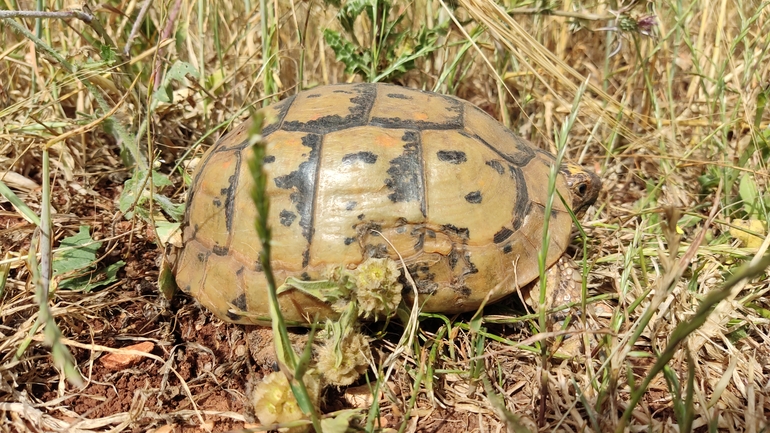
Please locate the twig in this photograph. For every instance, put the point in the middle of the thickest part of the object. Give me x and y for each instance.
(166, 34)
(137, 25)
(557, 13)
(86, 17)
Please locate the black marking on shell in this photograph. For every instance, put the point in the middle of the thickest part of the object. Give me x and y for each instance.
(349, 241)
(521, 208)
(217, 202)
(497, 165)
(420, 244)
(363, 156)
(240, 303)
(282, 108)
(463, 290)
(523, 157)
(507, 249)
(401, 230)
(469, 268)
(239, 272)
(452, 156)
(268, 159)
(423, 278)
(195, 228)
(306, 257)
(398, 96)
(379, 251)
(548, 155)
(232, 187)
(220, 250)
(193, 189)
(314, 95)
(425, 287)
(548, 160)
(287, 217)
(502, 235)
(187, 289)
(461, 232)
(517, 223)
(361, 217)
(473, 197)
(304, 182)
(453, 106)
(407, 173)
(305, 276)
(201, 257)
(258, 264)
(234, 317)
(350, 205)
(368, 228)
(454, 257)
(359, 113)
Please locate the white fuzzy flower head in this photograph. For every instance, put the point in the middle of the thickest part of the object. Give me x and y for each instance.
(343, 361)
(377, 288)
(274, 402)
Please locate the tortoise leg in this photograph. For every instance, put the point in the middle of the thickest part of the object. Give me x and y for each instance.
(563, 286)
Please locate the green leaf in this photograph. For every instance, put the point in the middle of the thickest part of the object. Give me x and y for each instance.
(108, 54)
(350, 11)
(92, 280)
(178, 72)
(136, 193)
(749, 194)
(165, 230)
(77, 252)
(324, 290)
(163, 94)
(174, 210)
(132, 188)
(761, 104)
(340, 423)
(166, 281)
(355, 61)
(75, 259)
(19, 204)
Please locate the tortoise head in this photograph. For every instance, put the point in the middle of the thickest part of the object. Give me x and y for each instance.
(583, 184)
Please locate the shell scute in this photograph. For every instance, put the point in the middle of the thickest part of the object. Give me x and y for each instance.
(447, 185)
(336, 110)
(491, 133)
(237, 139)
(426, 110)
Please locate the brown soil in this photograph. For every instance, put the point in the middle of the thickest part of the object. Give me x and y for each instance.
(202, 354)
(198, 371)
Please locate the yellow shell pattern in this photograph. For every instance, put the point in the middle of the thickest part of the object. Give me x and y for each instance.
(455, 192)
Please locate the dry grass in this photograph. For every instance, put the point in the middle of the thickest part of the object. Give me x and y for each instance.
(673, 119)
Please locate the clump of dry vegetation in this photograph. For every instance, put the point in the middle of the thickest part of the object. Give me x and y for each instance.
(105, 112)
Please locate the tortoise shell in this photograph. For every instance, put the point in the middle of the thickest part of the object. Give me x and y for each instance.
(365, 170)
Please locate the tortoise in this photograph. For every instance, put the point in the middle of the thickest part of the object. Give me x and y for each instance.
(366, 170)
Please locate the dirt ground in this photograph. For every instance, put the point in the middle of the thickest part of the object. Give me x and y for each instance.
(202, 367)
